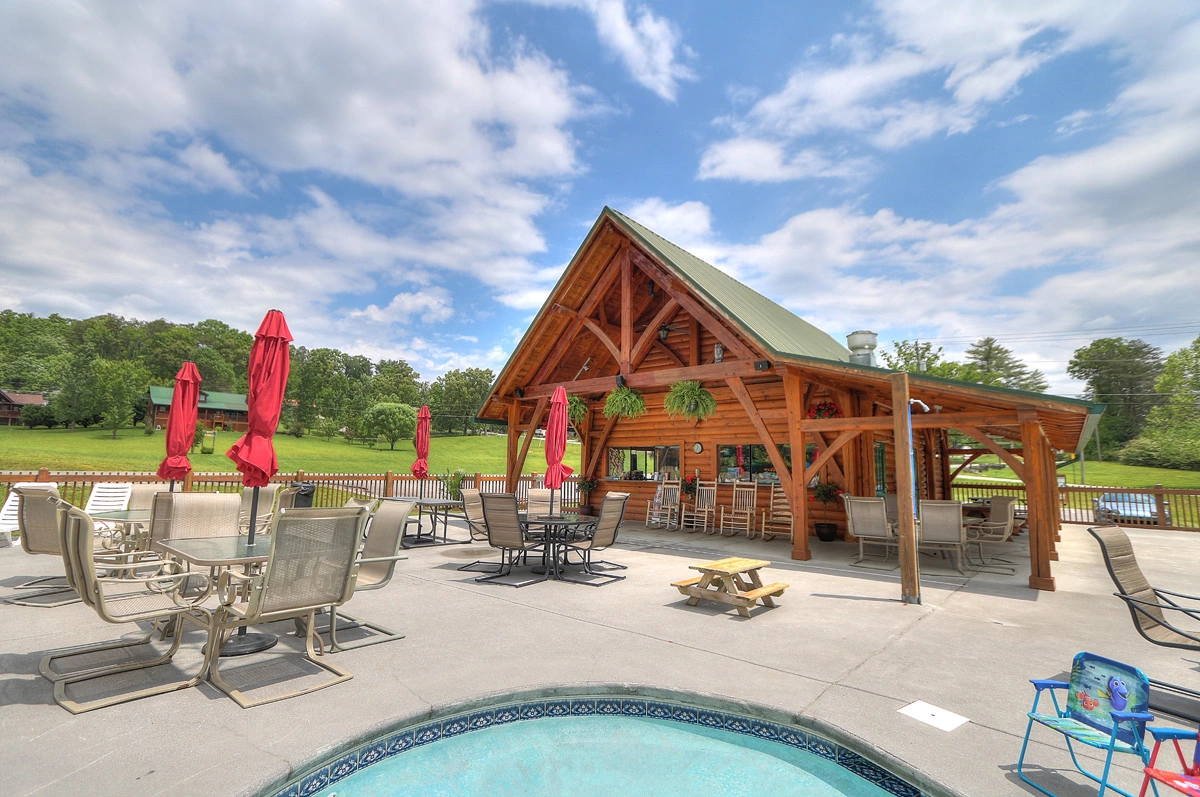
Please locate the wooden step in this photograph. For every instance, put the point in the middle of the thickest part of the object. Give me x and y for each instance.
(687, 582)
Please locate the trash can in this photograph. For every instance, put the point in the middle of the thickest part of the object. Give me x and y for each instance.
(304, 498)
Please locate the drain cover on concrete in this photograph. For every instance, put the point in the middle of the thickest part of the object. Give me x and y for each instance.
(930, 714)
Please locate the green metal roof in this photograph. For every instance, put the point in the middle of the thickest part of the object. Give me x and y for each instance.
(209, 400)
(777, 328)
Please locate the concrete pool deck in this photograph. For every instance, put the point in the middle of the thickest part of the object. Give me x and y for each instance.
(840, 649)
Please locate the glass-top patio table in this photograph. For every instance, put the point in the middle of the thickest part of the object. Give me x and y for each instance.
(557, 530)
(125, 516)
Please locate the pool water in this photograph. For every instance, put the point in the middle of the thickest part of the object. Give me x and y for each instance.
(603, 755)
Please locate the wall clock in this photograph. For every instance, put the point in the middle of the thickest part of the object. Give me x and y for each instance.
(697, 447)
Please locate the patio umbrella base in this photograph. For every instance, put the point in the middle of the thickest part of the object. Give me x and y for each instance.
(244, 644)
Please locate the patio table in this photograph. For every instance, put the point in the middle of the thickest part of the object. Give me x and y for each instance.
(130, 520)
(557, 530)
(436, 508)
(734, 581)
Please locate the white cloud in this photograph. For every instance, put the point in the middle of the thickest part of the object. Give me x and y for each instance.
(431, 306)
(761, 161)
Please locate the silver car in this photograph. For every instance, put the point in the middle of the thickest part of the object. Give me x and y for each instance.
(1129, 509)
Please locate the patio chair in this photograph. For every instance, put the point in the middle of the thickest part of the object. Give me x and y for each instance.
(39, 521)
(603, 535)
(473, 513)
(507, 533)
(108, 497)
(376, 566)
(740, 516)
(866, 519)
(312, 565)
(156, 597)
(286, 498)
(1148, 606)
(777, 520)
(1187, 779)
(942, 530)
(891, 506)
(540, 501)
(8, 512)
(997, 529)
(700, 514)
(266, 505)
(1105, 709)
(141, 494)
(354, 502)
(181, 516)
(663, 509)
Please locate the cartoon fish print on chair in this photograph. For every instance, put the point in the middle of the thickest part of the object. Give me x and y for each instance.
(1118, 693)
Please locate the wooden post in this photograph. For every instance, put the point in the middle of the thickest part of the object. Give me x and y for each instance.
(910, 576)
(43, 475)
(626, 314)
(797, 489)
(514, 424)
(1160, 507)
(1036, 493)
(187, 482)
(387, 484)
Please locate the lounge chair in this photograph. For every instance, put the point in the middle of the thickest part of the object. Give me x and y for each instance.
(663, 509)
(376, 566)
(312, 565)
(866, 519)
(1105, 709)
(8, 512)
(108, 497)
(39, 520)
(156, 596)
(1187, 779)
(602, 535)
(700, 514)
(507, 533)
(777, 521)
(942, 529)
(477, 527)
(740, 516)
(997, 529)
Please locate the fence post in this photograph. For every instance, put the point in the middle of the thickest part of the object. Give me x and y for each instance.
(478, 482)
(43, 475)
(1160, 507)
(387, 484)
(187, 482)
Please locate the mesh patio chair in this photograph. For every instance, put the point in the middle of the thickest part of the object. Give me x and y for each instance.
(740, 516)
(8, 512)
(38, 521)
(180, 516)
(997, 529)
(942, 529)
(473, 513)
(1148, 606)
(891, 505)
(354, 502)
(507, 533)
(663, 509)
(1105, 710)
(603, 535)
(866, 519)
(266, 505)
(312, 565)
(141, 494)
(376, 566)
(286, 498)
(700, 513)
(777, 520)
(154, 596)
(540, 501)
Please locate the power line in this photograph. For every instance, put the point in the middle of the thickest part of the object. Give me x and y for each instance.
(1147, 330)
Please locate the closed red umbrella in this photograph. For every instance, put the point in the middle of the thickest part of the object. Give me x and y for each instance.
(420, 468)
(181, 424)
(556, 441)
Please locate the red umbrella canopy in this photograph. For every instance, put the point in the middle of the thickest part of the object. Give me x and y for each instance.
(556, 440)
(420, 468)
(181, 423)
(270, 362)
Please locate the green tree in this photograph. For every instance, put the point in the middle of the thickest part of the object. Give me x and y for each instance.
(1121, 374)
(395, 380)
(33, 415)
(75, 402)
(167, 346)
(457, 395)
(119, 384)
(1171, 435)
(920, 358)
(989, 363)
(391, 421)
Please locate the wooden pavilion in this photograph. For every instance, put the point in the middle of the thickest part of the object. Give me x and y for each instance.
(634, 308)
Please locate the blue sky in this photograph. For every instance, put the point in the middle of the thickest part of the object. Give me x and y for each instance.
(409, 179)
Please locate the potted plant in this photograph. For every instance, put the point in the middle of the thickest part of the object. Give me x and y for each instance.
(585, 487)
(624, 402)
(577, 410)
(688, 486)
(688, 398)
(826, 493)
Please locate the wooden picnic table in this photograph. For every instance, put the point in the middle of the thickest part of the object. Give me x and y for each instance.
(734, 581)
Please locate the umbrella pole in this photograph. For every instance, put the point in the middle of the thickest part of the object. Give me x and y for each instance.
(171, 488)
(243, 642)
(253, 519)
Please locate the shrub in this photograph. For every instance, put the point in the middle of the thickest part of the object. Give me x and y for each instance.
(33, 415)
(453, 482)
(296, 429)
(198, 434)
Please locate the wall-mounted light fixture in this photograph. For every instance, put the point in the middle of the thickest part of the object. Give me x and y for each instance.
(718, 352)
(620, 381)
(519, 392)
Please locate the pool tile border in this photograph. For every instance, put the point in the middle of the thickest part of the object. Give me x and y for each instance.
(427, 732)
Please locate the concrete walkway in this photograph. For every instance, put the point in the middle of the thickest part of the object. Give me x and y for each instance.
(840, 648)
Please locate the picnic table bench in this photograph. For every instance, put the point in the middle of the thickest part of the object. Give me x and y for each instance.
(734, 581)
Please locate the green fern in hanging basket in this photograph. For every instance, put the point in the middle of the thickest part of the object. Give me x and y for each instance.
(624, 402)
(577, 409)
(687, 398)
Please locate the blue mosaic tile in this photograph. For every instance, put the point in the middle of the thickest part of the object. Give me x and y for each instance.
(710, 719)
(453, 727)
(314, 782)
(290, 791)
(737, 724)
(860, 766)
(369, 755)
(685, 714)
(608, 707)
(660, 711)
(794, 738)
(893, 785)
(558, 708)
(583, 707)
(822, 747)
(481, 719)
(507, 714)
(398, 743)
(765, 730)
(533, 711)
(633, 708)
(343, 767)
(426, 734)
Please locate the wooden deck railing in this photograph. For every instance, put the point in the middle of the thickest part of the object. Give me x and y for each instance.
(1175, 509)
(332, 489)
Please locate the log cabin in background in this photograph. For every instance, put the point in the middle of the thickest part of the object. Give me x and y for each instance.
(222, 411)
(632, 308)
(12, 402)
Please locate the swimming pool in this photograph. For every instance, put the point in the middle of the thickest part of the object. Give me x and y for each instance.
(597, 745)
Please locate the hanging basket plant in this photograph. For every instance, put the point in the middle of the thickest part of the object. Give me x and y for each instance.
(577, 410)
(624, 402)
(825, 409)
(689, 399)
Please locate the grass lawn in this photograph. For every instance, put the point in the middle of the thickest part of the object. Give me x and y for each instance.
(95, 450)
(1102, 474)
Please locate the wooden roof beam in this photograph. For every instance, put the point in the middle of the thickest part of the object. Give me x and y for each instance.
(650, 333)
(651, 379)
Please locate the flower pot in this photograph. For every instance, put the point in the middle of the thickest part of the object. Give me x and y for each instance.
(826, 532)
(585, 511)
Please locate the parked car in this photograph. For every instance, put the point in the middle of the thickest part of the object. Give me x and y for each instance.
(1129, 508)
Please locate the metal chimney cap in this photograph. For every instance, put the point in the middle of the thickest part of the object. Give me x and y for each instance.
(862, 341)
